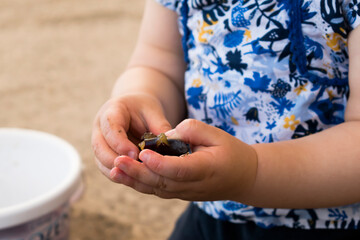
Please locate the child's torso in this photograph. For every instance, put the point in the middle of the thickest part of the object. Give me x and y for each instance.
(266, 71)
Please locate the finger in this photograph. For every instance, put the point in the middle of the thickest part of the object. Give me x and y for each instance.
(156, 120)
(187, 168)
(114, 128)
(119, 176)
(141, 173)
(103, 169)
(197, 133)
(104, 154)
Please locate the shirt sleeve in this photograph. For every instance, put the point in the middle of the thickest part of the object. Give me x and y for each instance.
(170, 4)
(352, 12)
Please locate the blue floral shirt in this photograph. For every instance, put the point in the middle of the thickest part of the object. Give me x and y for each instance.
(267, 71)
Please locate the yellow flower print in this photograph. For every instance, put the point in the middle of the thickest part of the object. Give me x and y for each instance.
(331, 94)
(205, 30)
(247, 34)
(334, 41)
(234, 121)
(330, 68)
(196, 82)
(301, 88)
(290, 122)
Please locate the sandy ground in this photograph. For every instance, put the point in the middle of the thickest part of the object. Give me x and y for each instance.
(58, 62)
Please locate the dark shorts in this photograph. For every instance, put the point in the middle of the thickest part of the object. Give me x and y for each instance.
(195, 224)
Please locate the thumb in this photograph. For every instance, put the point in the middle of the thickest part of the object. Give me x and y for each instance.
(196, 133)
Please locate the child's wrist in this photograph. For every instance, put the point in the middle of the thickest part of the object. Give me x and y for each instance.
(249, 175)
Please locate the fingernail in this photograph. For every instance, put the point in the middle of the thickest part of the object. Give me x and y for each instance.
(122, 167)
(117, 162)
(133, 155)
(112, 173)
(170, 133)
(145, 157)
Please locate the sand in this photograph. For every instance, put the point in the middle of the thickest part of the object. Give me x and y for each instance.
(58, 63)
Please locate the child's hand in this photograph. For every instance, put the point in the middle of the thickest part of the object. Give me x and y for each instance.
(220, 167)
(119, 125)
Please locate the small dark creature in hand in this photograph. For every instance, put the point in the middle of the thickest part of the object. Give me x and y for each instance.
(161, 144)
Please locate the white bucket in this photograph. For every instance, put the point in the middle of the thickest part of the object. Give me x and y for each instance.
(39, 175)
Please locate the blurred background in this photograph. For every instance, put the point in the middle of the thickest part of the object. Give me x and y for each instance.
(58, 62)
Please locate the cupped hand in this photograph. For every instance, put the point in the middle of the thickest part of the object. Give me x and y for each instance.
(220, 167)
(119, 125)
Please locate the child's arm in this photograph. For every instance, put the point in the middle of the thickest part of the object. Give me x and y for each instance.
(157, 64)
(320, 170)
(148, 96)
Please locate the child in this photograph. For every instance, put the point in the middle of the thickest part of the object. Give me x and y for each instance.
(275, 154)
